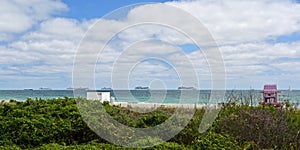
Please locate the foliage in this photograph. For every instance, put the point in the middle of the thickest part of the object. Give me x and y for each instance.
(58, 124)
(36, 122)
(267, 126)
(212, 140)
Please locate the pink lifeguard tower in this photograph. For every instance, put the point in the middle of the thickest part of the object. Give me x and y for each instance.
(270, 95)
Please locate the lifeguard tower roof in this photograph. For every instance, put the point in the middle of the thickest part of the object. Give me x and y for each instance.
(270, 88)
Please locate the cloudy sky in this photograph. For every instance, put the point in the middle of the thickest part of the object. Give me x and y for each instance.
(259, 41)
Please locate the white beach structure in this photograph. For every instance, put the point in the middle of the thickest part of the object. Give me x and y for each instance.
(101, 96)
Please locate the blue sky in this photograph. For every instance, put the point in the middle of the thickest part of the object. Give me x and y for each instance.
(259, 41)
(82, 9)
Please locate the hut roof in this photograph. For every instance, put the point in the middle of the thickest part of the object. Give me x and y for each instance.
(270, 88)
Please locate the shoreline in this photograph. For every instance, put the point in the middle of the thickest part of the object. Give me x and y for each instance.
(151, 105)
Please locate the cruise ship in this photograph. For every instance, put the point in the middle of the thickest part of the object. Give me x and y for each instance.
(28, 89)
(80, 88)
(186, 88)
(44, 88)
(141, 88)
(105, 88)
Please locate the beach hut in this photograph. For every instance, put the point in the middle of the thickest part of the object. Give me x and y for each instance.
(270, 95)
(102, 96)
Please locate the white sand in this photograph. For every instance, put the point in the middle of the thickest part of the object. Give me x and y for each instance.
(166, 105)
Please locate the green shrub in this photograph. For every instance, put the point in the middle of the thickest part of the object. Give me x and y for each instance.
(58, 124)
(10, 147)
(267, 126)
(211, 140)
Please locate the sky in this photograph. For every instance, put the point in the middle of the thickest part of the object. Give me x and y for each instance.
(259, 42)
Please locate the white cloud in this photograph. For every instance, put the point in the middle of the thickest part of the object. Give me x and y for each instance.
(54, 42)
(18, 16)
(235, 21)
(42, 56)
(240, 27)
(59, 29)
(147, 30)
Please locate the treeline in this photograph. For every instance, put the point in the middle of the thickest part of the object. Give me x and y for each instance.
(58, 124)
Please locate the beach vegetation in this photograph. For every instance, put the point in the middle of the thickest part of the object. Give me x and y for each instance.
(58, 124)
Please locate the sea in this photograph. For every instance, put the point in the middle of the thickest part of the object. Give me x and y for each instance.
(161, 96)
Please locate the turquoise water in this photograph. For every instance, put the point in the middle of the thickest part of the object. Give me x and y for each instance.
(169, 96)
(22, 95)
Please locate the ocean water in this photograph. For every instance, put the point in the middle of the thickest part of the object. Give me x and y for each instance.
(155, 96)
(22, 95)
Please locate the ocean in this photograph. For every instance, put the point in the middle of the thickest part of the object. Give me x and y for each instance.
(169, 96)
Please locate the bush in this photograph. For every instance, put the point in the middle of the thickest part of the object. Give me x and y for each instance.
(266, 126)
(211, 140)
(58, 124)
